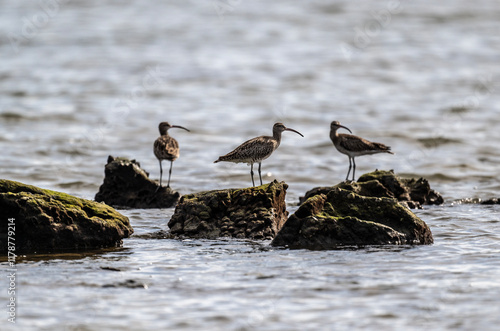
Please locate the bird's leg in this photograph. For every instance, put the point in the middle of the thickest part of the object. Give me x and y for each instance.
(353, 169)
(161, 172)
(260, 176)
(349, 171)
(251, 173)
(170, 173)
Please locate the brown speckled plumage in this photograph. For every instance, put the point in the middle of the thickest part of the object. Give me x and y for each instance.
(253, 150)
(353, 146)
(257, 149)
(166, 147)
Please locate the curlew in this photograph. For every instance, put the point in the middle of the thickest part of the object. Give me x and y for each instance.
(257, 149)
(166, 148)
(353, 146)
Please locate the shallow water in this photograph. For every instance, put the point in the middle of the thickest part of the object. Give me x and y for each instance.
(95, 78)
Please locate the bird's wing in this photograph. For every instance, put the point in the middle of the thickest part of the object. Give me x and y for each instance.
(354, 143)
(166, 147)
(254, 149)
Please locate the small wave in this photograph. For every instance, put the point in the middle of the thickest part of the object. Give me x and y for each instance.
(66, 185)
(46, 117)
(433, 142)
(466, 201)
(73, 151)
(457, 109)
(162, 234)
(476, 201)
(18, 94)
(431, 177)
(12, 116)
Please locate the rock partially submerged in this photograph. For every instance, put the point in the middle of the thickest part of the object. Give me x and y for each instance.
(255, 212)
(344, 218)
(47, 220)
(127, 185)
(492, 201)
(412, 192)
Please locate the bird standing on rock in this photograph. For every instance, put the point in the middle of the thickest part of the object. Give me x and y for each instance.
(257, 149)
(353, 146)
(166, 148)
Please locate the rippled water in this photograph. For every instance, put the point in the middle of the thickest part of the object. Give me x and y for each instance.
(85, 79)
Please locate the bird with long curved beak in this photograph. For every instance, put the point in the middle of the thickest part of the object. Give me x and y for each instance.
(257, 149)
(353, 146)
(166, 147)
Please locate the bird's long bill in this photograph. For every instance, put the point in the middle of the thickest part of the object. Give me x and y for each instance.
(345, 128)
(288, 129)
(180, 127)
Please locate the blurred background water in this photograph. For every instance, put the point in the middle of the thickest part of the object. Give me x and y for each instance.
(80, 80)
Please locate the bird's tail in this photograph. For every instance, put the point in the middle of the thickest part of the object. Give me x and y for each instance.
(383, 148)
(387, 149)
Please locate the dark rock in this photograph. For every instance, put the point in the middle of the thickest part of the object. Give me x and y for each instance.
(493, 201)
(412, 192)
(127, 185)
(255, 212)
(46, 220)
(420, 191)
(345, 218)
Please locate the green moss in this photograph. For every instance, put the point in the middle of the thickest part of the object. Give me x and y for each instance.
(366, 212)
(254, 190)
(68, 220)
(234, 210)
(376, 175)
(328, 211)
(312, 200)
(230, 194)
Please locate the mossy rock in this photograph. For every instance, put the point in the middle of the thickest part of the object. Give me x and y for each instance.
(344, 218)
(126, 184)
(380, 183)
(47, 220)
(254, 212)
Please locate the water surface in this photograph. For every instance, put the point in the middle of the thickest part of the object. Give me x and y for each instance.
(96, 77)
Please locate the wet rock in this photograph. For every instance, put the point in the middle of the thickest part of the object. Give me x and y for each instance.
(492, 201)
(255, 212)
(46, 220)
(344, 218)
(127, 185)
(404, 189)
(412, 192)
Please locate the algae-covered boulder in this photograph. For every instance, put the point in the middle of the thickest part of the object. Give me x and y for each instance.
(127, 185)
(412, 192)
(46, 220)
(344, 218)
(255, 212)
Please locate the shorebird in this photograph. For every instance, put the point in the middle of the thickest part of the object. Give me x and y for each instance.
(257, 149)
(353, 146)
(166, 147)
